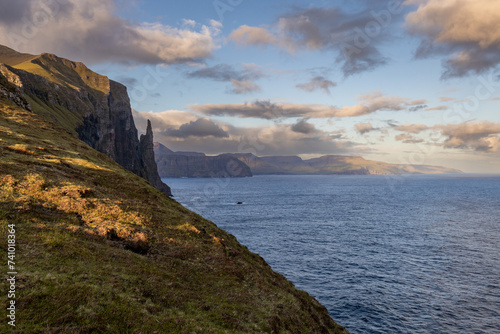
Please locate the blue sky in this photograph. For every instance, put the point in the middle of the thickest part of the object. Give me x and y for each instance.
(412, 81)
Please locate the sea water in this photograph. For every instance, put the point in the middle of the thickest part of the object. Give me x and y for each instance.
(384, 254)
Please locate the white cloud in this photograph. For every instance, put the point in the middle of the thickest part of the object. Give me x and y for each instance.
(90, 31)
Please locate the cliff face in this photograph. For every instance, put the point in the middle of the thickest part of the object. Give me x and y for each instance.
(148, 157)
(193, 164)
(96, 109)
(11, 92)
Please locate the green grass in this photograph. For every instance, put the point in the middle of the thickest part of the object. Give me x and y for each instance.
(66, 73)
(99, 250)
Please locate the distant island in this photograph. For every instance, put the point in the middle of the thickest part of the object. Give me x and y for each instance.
(195, 164)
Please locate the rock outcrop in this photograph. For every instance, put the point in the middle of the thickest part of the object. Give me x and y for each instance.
(146, 148)
(11, 92)
(91, 106)
(194, 164)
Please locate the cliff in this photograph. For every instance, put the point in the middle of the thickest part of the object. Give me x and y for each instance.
(91, 106)
(99, 250)
(194, 164)
(148, 156)
(332, 164)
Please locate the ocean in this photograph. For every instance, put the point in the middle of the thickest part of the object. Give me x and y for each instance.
(384, 254)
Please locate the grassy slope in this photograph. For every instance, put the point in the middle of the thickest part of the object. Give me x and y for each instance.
(99, 250)
(11, 57)
(63, 73)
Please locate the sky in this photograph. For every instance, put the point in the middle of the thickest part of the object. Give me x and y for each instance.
(413, 82)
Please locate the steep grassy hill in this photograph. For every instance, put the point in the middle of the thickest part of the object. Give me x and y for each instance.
(99, 250)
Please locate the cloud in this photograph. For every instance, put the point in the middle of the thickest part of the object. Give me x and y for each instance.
(438, 108)
(418, 107)
(128, 81)
(408, 139)
(411, 128)
(278, 139)
(257, 36)
(468, 32)
(202, 127)
(318, 82)
(160, 121)
(480, 136)
(447, 99)
(242, 80)
(363, 128)
(225, 72)
(90, 31)
(303, 127)
(369, 103)
(13, 11)
(265, 110)
(281, 139)
(326, 29)
(376, 101)
(244, 86)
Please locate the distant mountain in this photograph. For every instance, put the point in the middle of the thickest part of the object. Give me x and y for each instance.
(194, 164)
(332, 164)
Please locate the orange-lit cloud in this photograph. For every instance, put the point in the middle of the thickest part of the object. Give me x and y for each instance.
(411, 128)
(408, 139)
(90, 31)
(363, 128)
(368, 103)
(480, 136)
(466, 31)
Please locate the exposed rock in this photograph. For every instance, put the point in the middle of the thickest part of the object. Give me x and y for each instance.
(148, 157)
(11, 92)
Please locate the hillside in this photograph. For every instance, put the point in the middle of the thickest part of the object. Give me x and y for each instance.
(99, 250)
(89, 105)
(332, 164)
(194, 164)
